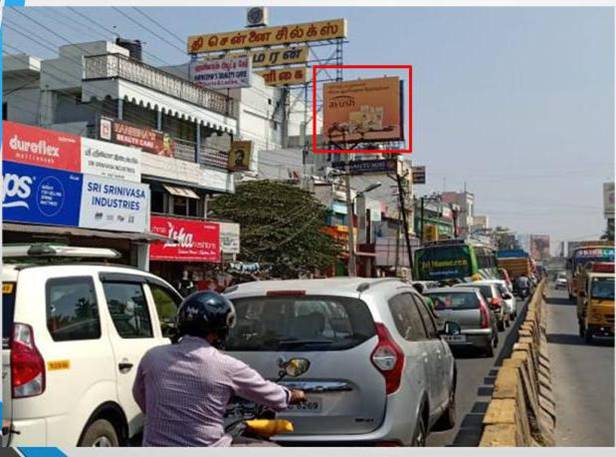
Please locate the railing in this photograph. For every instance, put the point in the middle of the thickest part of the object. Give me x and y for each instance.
(185, 150)
(107, 66)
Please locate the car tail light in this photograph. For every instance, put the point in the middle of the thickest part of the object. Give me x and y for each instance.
(496, 302)
(485, 315)
(388, 358)
(27, 364)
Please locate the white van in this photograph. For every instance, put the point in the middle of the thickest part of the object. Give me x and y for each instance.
(73, 336)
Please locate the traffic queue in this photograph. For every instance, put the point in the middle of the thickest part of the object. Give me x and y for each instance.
(358, 361)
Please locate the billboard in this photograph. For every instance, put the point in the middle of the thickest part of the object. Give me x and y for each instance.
(145, 138)
(48, 196)
(224, 73)
(540, 247)
(273, 57)
(362, 110)
(268, 36)
(419, 175)
(240, 156)
(608, 200)
(285, 76)
(360, 167)
(195, 241)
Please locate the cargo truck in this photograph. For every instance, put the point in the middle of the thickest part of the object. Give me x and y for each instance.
(516, 261)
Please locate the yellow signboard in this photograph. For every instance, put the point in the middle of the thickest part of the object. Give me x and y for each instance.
(240, 155)
(272, 57)
(285, 76)
(268, 36)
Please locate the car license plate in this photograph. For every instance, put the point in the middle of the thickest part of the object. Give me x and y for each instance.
(311, 405)
(455, 338)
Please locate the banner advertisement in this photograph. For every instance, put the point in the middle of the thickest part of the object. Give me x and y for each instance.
(268, 36)
(229, 237)
(240, 156)
(225, 73)
(196, 241)
(285, 76)
(362, 110)
(111, 204)
(111, 160)
(608, 200)
(150, 140)
(40, 147)
(40, 195)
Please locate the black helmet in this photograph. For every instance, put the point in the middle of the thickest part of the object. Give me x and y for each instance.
(202, 313)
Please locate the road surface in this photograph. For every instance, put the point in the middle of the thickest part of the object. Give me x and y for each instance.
(582, 379)
(476, 376)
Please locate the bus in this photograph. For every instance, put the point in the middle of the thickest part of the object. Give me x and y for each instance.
(455, 259)
(582, 256)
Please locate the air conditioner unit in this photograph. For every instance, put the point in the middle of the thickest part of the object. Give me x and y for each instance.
(257, 17)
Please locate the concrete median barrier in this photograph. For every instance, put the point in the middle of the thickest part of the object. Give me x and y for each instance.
(522, 411)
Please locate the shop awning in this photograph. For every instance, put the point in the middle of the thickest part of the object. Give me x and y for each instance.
(181, 191)
(75, 231)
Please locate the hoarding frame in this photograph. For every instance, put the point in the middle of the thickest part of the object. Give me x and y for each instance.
(404, 126)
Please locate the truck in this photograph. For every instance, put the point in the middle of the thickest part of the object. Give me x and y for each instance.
(595, 301)
(580, 257)
(517, 262)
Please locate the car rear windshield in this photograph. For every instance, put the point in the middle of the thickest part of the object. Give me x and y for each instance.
(454, 301)
(8, 310)
(486, 290)
(300, 323)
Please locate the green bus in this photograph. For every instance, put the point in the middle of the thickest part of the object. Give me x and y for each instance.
(454, 259)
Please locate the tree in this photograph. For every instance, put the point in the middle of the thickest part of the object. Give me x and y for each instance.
(281, 225)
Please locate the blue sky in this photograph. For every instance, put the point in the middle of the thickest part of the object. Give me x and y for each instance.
(516, 102)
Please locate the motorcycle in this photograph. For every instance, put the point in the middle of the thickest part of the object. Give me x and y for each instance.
(256, 422)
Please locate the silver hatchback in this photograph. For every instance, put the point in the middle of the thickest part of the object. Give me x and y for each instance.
(379, 371)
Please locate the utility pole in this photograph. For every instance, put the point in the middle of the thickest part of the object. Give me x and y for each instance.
(405, 223)
(352, 266)
(421, 233)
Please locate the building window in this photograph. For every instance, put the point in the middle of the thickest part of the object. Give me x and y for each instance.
(5, 111)
(158, 201)
(183, 206)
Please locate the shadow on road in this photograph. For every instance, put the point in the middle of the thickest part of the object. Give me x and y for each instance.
(575, 340)
(560, 301)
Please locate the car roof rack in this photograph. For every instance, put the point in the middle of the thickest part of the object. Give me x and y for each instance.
(52, 251)
(366, 285)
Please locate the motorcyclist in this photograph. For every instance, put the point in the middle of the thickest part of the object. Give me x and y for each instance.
(523, 285)
(184, 389)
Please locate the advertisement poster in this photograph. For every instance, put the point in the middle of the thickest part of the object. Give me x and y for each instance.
(608, 199)
(285, 76)
(268, 36)
(196, 241)
(150, 140)
(229, 237)
(110, 160)
(362, 110)
(40, 147)
(225, 73)
(40, 195)
(111, 204)
(540, 247)
(240, 156)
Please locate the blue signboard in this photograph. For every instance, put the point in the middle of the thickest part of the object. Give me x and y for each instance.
(40, 195)
(511, 253)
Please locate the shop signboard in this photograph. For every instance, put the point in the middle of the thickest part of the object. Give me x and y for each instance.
(224, 73)
(40, 147)
(229, 237)
(273, 57)
(111, 160)
(195, 241)
(361, 167)
(608, 200)
(240, 156)
(363, 110)
(419, 175)
(268, 36)
(112, 204)
(285, 76)
(148, 139)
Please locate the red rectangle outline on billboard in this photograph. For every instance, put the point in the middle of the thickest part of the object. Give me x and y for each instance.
(315, 69)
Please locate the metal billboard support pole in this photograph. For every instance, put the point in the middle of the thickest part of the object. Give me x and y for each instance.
(347, 184)
(405, 223)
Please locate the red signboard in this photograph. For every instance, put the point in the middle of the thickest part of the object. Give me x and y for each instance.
(44, 148)
(196, 241)
(150, 140)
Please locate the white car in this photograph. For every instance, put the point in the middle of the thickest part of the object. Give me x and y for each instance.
(73, 336)
(380, 373)
(508, 297)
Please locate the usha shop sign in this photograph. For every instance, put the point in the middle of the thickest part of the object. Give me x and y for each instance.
(195, 241)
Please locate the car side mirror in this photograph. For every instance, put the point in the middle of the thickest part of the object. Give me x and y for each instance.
(451, 328)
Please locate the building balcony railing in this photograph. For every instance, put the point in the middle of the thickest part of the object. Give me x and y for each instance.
(210, 157)
(108, 66)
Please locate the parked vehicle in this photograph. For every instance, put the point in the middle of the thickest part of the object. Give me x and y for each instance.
(595, 309)
(468, 308)
(492, 294)
(73, 336)
(384, 375)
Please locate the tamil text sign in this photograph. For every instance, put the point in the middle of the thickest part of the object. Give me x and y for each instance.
(268, 36)
(111, 160)
(195, 241)
(274, 57)
(145, 138)
(285, 76)
(362, 110)
(225, 73)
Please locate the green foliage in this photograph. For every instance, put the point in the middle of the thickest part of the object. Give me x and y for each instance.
(280, 224)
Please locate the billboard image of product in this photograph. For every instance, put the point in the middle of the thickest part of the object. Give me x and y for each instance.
(540, 247)
(196, 241)
(122, 132)
(40, 147)
(225, 73)
(362, 110)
